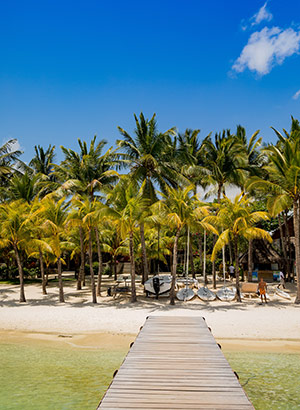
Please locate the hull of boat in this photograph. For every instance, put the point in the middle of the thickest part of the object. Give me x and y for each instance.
(165, 282)
(185, 294)
(226, 294)
(282, 294)
(206, 295)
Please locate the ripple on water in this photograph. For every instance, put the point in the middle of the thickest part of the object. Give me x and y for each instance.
(56, 378)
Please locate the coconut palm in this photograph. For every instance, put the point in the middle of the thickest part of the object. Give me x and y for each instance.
(235, 220)
(147, 155)
(89, 171)
(15, 233)
(42, 162)
(127, 203)
(182, 209)
(55, 215)
(284, 181)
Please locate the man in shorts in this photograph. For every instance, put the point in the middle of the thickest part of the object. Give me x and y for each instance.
(262, 288)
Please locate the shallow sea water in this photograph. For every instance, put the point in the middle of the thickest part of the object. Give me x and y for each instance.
(271, 380)
(59, 378)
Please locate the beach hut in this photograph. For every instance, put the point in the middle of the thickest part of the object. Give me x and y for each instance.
(266, 261)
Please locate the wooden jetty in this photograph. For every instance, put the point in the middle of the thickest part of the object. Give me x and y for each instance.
(175, 363)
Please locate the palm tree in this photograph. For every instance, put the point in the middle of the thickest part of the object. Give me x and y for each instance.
(55, 215)
(147, 156)
(23, 186)
(88, 171)
(284, 181)
(42, 162)
(182, 209)
(127, 204)
(15, 233)
(235, 220)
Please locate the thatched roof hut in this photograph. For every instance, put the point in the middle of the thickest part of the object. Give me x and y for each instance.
(264, 255)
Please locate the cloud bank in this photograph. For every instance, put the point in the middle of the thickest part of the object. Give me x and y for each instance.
(267, 48)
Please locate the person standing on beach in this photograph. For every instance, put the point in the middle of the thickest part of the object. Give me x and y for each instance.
(282, 281)
(231, 271)
(262, 288)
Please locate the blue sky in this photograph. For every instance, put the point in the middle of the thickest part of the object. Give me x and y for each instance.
(73, 69)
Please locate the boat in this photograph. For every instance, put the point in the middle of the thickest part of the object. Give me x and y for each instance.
(187, 282)
(158, 285)
(282, 294)
(185, 294)
(206, 294)
(226, 294)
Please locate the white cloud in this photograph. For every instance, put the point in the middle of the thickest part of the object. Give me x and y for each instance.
(262, 15)
(267, 48)
(296, 95)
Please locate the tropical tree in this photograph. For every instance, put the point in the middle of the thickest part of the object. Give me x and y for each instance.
(147, 155)
(127, 203)
(89, 171)
(182, 209)
(55, 215)
(283, 180)
(15, 233)
(235, 220)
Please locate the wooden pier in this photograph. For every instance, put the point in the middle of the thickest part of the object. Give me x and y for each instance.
(175, 363)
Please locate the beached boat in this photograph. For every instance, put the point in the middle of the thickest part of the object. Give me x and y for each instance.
(226, 294)
(206, 294)
(158, 285)
(282, 294)
(185, 294)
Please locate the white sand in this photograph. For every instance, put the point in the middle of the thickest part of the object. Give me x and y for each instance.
(279, 320)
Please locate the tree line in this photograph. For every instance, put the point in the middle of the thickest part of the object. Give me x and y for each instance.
(140, 199)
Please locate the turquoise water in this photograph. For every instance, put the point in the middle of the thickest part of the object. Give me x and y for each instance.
(271, 380)
(60, 378)
(46, 378)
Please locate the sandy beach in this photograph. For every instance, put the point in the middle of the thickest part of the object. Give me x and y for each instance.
(274, 327)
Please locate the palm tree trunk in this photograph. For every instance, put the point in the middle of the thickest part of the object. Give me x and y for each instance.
(200, 250)
(144, 253)
(60, 282)
(94, 296)
(174, 268)
(42, 272)
(288, 243)
(100, 264)
(132, 268)
(283, 243)
(250, 259)
(82, 259)
(192, 262)
(237, 272)
(297, 247)
(204, 261)
(214, 265)
(21, 274)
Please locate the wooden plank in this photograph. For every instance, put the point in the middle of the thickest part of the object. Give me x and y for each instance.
(175, 363)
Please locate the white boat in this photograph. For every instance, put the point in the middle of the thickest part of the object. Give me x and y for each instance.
(185, 294)
(187, 282)
(158, 285)
(282, 294)
(226, 294)
(206, 294)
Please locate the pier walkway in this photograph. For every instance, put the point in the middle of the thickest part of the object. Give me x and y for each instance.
(175, 363)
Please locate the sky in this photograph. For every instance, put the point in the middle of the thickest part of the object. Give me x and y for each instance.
(75, 69)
